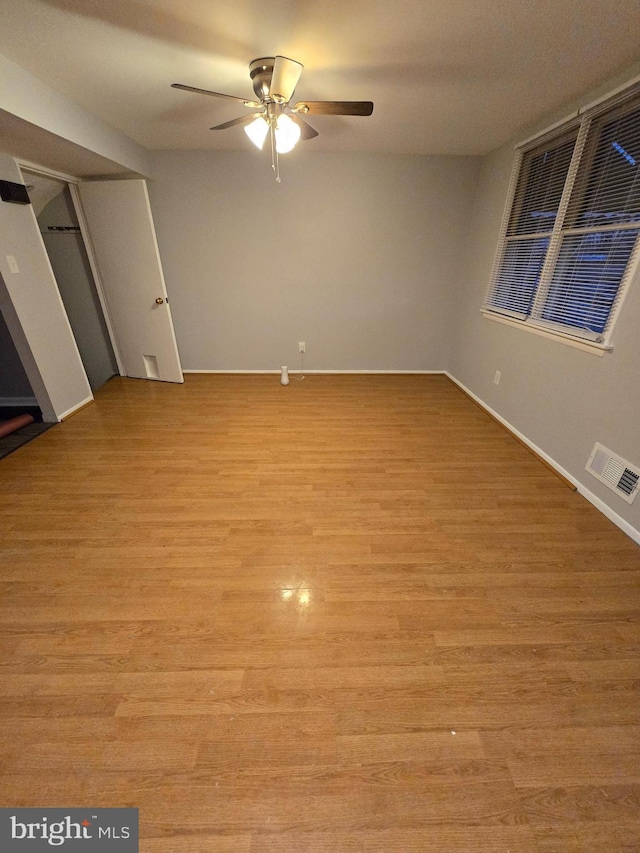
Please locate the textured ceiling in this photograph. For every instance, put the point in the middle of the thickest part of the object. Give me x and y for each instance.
(446, 76)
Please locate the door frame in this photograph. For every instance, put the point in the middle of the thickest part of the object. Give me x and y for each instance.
(72, 182)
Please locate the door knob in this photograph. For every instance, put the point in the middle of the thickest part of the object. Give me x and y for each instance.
(159, 300)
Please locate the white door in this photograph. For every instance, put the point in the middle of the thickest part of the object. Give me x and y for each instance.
(123, 239)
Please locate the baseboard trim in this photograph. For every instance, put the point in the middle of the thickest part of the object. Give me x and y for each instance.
(599, 504)
(331, 372)
(74, 409)
(18, 401)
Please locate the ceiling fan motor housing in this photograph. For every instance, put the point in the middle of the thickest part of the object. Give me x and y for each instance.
(261, 73)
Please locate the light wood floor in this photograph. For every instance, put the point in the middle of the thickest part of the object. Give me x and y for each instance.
(353, 614)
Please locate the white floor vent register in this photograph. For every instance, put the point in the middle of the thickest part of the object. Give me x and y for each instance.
(620, 476)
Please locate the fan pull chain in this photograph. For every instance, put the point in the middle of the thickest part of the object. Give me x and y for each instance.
(275, 160)
(273, 147)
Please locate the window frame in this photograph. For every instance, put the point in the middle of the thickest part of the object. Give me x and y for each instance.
(585, 147)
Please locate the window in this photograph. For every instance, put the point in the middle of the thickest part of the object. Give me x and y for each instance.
(570, 238)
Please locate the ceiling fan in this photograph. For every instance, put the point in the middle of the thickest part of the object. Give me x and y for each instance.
(274, 81)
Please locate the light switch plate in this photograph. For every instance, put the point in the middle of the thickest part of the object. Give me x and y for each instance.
(13, 264)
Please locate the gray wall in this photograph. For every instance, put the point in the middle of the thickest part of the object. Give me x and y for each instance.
(560, 398)
(13, 379)
(356, 255)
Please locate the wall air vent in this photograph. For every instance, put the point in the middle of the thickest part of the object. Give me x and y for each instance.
(620, 476)
(14, 193)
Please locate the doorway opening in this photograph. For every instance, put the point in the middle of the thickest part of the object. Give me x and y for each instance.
(60, 228)
(20, 415)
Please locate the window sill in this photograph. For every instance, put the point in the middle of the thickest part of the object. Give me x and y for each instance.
(586, 346)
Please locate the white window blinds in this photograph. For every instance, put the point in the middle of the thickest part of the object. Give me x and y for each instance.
(570, 238)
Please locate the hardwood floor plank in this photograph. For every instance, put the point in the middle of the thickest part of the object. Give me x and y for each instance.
(341, 677)
(386, 648)
(601, 837)
(57, 706)
(292, 751)
(533, 634)
(203, 843)
(89, 757)
(410, 746)
(590, 741)
(565, 770)
(603, 670)
(420, 713)
(183, 684)
(441, 839)
(348, 807)
(535, 654)
(590, 804)
(48, 684)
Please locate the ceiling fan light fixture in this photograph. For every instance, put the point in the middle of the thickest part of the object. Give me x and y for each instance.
(257, 131)
(274, 81)
(287, 134)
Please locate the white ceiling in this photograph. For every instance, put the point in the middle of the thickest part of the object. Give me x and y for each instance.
(446, 76)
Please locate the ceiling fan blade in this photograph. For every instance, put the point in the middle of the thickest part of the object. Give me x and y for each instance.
(306, 131)
(334, 108)
(235, 122)
(286, 73)
(245, 101)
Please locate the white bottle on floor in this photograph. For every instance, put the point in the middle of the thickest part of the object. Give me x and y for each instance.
(284, 376)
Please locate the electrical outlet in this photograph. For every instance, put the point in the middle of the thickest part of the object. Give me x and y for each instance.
(496, 378)
(302, 347)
